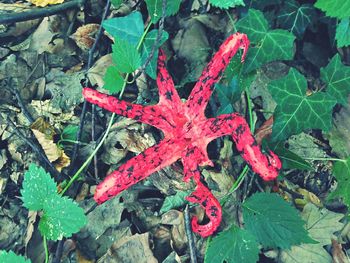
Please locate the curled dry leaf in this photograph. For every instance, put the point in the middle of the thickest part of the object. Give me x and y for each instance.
(84, 37)
(43, 3)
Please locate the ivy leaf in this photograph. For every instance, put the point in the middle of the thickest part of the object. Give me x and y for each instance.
(268, 45)
(295, 110)
(174, 201)
(337, 78)
(295, 17)
(341, 171)
(113, 81)
(12, 257)
(342, 34)
(231, 246)
(147, 45)
(334, 8)
(227, 96)
(37, 188)
(274, 222)
(226, 3)
(62, 217)
(321, 223)
(125, 56)
(128, 28)
(154, 8)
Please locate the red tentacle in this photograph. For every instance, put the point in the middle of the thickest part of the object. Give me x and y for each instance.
(201, 92)
(202, 195)
(138, 168)
(267, 166)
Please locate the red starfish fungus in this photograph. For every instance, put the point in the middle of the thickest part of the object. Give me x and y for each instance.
(187, 133)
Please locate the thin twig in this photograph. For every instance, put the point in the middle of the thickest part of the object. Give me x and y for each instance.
(40, 12)
(38, 150)
(90, 59)
(189, 236)
(156, 42)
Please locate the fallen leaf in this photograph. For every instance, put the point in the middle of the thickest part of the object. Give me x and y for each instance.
(338, 253)
(84, 37)
(43, 3)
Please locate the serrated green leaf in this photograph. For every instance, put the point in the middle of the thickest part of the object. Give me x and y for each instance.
(11, 257)
(268, 45)
(147, 45)
(226, 3)
(295, 17)
(342, 34)
(254, 25)
(334, 8)
(125, 56)
(321, 223)
(113, 81)
(154, 8)
(337, 78)
(62, 217)
(116, 3)
(341, 172)
(234, 245)
(174, 201)
(37, 188)
(295, 110)
(274, 222)
(128, 28)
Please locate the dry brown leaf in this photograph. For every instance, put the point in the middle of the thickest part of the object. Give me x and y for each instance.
(30, 227)
(338, 253)
(84, 37)
(98, 70)
(43, 3)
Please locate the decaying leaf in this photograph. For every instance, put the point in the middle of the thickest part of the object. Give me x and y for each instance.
(98, 70)
(43, 3)
(84, 37)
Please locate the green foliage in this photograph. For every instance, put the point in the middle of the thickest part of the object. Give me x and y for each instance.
(125, 56)
(267, 45)
(11, 257)
(295, 17)
(274, 222)
(227, 95)
(113, 81)
(342, 34)
(341, 171)
(334, 8)
(61, 215)
(37, 188)
(226, 3)
(234, 245)
(296, 111)
(147, 45)
(337, 78)
(70, 132)
(155, 8)
(116, 3)
(128, 28)
(174, 201)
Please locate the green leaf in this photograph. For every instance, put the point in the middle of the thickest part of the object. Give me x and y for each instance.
(334, 8)
(289, 159)
(274, 222)
(154, 8)
(342, 34)
(227, 96)
(116, 3)
(125, 56)
(11, 257)
(62, 217)
(128, 28)
(296, 18)
(337, 78)
(147, 45)
(70, 132)
(321, 223)
(295, 110)
(226, 3)
(254, 25)
(174, 201)
(341, 172)
(37, 188)
(234, 245)
(268, 45)
(113, 80)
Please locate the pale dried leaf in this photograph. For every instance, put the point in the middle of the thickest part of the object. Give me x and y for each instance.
(43, 3)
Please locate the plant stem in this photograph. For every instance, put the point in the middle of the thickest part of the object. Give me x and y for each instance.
(143, 36)
(46, 249)
(231, 20)
(324, 159)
